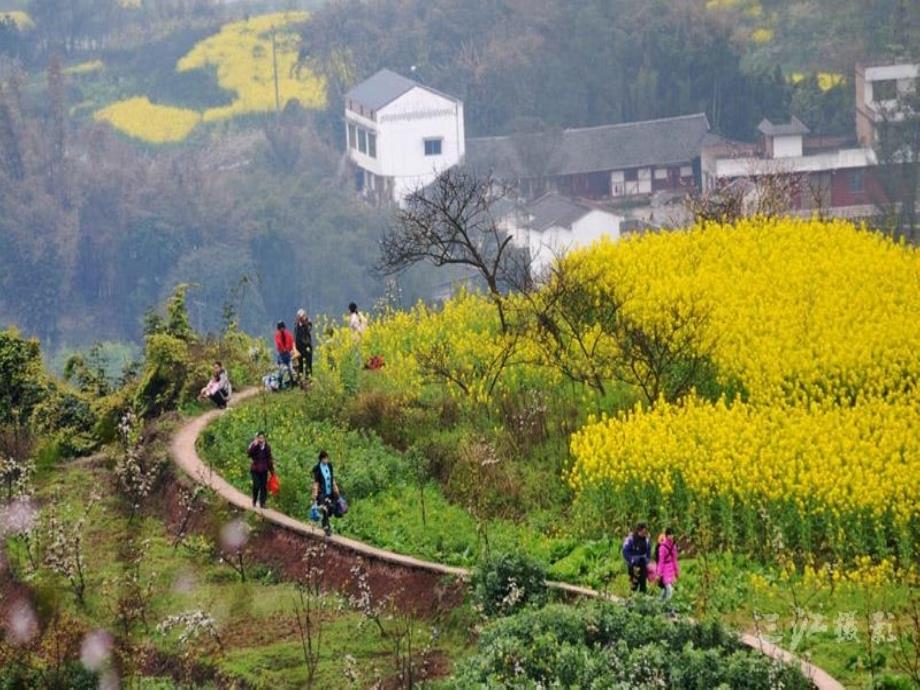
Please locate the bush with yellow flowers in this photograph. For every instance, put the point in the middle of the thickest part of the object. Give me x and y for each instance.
(458, 346)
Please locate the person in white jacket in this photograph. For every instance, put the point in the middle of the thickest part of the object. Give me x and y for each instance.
(218, 389)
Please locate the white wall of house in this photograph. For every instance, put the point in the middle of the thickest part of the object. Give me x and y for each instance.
(402, 129)
(548, 244)
(731, 168)
(787, 146)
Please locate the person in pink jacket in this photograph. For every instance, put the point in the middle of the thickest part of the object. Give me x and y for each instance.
(667, 569)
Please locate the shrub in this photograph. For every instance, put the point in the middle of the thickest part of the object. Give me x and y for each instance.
(601, 644)
(164, 375)
(506, 583)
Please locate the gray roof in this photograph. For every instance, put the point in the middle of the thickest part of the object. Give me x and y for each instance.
(793, 127)
(667, 141)
(554, 211)
(385, 87)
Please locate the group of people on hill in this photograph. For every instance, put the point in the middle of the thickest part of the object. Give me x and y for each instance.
(295, 351)
(644, 562)
(294, 354)
(328, 501)
(663, 569)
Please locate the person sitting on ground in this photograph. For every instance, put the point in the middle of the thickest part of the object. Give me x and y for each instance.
(303, 339)
(637, 554)
(284, 344)
(325, 490)
(260, 453)
(218, 389)
(668, 568)
(357, 321)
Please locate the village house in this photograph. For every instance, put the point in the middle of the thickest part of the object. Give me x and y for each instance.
(841, 176)
(552, 224)
(400, 135)
(609, 161)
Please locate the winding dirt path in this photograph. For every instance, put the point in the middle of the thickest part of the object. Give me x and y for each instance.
(405, 569)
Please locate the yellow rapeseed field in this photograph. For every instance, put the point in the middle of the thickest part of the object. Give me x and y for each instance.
(820, 323)
(798, 309)
(242, 54)
(157, 124)
(21, 19)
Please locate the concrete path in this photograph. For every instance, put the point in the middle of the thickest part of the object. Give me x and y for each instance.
(185, 455)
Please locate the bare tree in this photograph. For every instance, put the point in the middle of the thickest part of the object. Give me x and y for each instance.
(770, 192)
(898, 151)
(451, 223)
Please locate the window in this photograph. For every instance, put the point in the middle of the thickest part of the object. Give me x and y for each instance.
(686, 171)
(857, 182)
(352, 136)
(433, 147)
(362, 140)
(371, 144)
(885, 90)
(661, 173)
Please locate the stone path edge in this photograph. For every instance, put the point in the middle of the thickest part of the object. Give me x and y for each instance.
(183, 451)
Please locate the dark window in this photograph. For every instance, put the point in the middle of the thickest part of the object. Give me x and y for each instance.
(371, 144)
(886, 90)
(352, 137)
(432, 147)
(362, 140)
(857, 183)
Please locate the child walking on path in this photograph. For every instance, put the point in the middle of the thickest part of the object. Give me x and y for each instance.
(668, 568)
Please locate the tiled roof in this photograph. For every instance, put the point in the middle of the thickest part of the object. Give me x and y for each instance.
(667, 141)
(385, 87)
(791, 128)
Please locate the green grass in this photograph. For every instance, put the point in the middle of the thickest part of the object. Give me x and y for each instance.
(385, 500)
(255, 618)
(386, 510)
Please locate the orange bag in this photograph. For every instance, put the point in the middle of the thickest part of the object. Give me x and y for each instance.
(274, 485)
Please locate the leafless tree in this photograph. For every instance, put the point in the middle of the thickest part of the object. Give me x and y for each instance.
(451, 223)
(898, 151)
(769, 193)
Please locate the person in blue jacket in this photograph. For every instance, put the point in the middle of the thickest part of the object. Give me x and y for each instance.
(325, 490)
(637, 552)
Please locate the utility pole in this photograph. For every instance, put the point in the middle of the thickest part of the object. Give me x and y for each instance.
(275, 74)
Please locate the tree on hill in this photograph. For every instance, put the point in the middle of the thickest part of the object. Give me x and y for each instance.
(453, 222)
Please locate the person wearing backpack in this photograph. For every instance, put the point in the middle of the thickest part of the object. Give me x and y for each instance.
(668, 568)
(262, 465)
(637, 554)
(325, 490)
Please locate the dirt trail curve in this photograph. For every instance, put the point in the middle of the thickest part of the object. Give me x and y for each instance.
(185, 455)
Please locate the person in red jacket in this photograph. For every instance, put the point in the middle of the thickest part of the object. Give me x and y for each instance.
(260, 453)
(284, 344)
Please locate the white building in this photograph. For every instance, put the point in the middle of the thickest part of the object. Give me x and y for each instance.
(400, 135)
(879, 91)
(553, 224)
